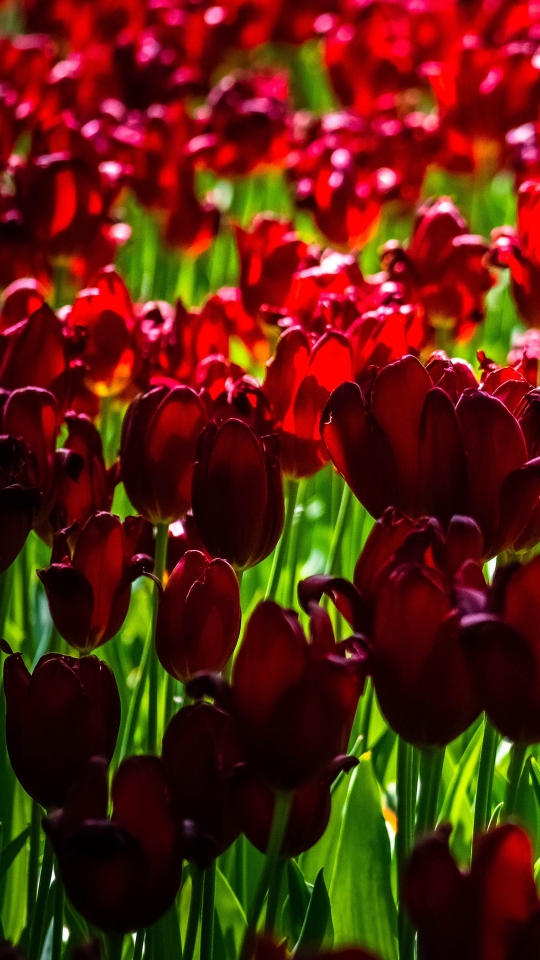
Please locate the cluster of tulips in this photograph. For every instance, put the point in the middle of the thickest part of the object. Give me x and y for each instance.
(300, 530)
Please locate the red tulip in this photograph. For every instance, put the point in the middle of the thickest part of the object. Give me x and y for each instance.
(295, 701)
(490, 913)
(408, 446)
(34, 353)
(201, 739)
(519, 250)
(199, 617)
(159, 436)
(32, 415)
(299, 380)
(57, 719)
(443, 268)
(121, 873)
(503, 647)
(19, 497)
(77, 498)
(237, 493)
(192, 224)
(104, 313)
(308, 816)
(89, 588)
(270, 253)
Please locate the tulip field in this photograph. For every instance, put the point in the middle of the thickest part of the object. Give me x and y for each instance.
(269, 479)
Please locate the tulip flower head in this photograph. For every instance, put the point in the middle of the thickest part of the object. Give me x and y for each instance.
(121, 873)
(199, 617)
(59, 717)
(89, 587)
(159, 435)
(237, 493)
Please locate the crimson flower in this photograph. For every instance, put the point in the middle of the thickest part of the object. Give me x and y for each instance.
(492, 911)
(199, 617)
(201, 739)
(443, 268)
(519, 250)
(270, 254)
(299, 379)
(295, 701)
(19, 497)
(34, 350)
(159, 436)
(237, 493)
(503, 648)
(408, 445)
(89, 587)
(121, 873)
(59, 717)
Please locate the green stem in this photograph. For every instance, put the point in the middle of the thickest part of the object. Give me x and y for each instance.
(139, 944)
(58, 921)
(268, 878)
(115, 945)
(280, 551)
(486, 769)
(366, 714)
(33, 860)
(135, 703)
(405, 776)
(197, 884)
(36, 933)
(294, 543)
(282, 808)
(517, 759)
(162, 534)
(341, 523)
(431, 767)
(208, 910)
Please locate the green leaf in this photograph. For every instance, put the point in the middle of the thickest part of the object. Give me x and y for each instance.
(299, 898)
(10, 852)
(457, 808)
(363, 908)
(165, 936)
(317, 929)
(231, 916)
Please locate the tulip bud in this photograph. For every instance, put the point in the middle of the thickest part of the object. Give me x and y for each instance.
(59, 717)
(295, 701)
(237, 493)
(199, 617)
(19, 497)
(89, 589)
(202, 739)
(159, 435)
(91, 490)
(121, 873)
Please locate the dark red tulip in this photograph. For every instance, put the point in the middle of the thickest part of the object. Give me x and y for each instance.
(237, 493)
(420, 672)
(104, 314)
(295, 701)
(519, 250)
(299, 380)
(199, 617)
(159, 436)
(59, 717)
(121, 873)
(192, 224)
(270, 253)
(19, 301)
(92, 489)
(89, 587)
(407, 445)
(32, 415)
(201, 739)
(34, 353)
(443, 268)
(19, 497)
(308, 816)
(503, 647)
(490, 913)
